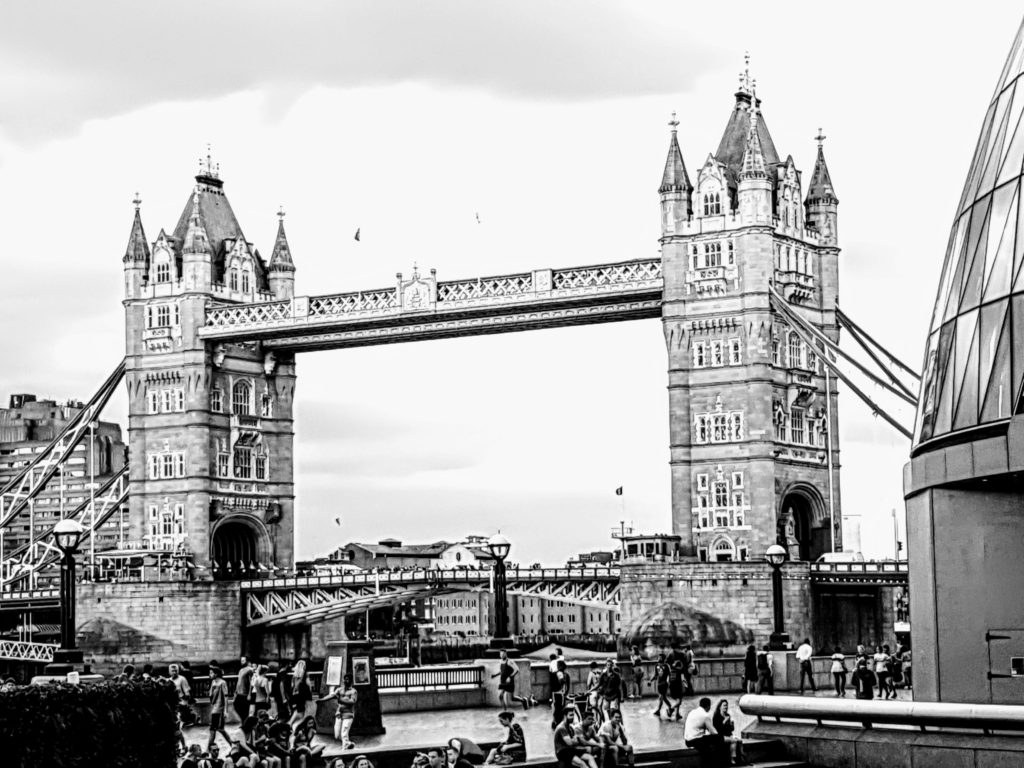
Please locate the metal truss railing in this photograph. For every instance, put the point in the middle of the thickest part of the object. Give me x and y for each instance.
(308, 600)
(885, 572)
(16, 650)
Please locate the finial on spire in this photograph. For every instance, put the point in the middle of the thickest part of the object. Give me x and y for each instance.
(137, 201)
(280, 212)
(673, 123)
(207, 167)
(745, 86)
(820, 138)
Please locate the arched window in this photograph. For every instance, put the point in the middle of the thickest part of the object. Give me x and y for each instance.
(241, 398)
(233, 279)
(243, 461)
(723, 550)
(707, 205)
(795, 350)
(163, 272)
(716, 209)
(246, 278)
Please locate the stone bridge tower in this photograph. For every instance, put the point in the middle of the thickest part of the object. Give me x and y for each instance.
(752, 432)
(210, 426)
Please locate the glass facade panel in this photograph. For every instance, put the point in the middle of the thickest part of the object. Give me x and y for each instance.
(973, 367)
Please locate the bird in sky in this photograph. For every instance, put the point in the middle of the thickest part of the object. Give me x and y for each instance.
(478, 218)
(357, 234)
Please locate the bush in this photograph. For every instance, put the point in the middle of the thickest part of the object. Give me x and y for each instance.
(114, 725)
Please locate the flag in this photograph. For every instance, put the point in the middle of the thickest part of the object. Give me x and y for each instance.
(618, 491)
(357, 234)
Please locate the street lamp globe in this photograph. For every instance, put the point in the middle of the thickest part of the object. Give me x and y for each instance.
(498, 546)
(68, 533)
(775, 555)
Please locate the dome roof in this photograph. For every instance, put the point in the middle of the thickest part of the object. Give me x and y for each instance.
(975, 357)
(674, 622)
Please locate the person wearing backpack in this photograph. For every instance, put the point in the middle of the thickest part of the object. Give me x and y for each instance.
(765, 672)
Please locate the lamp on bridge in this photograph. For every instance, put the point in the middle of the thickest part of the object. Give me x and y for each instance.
(776, 556)
(67, 534)
(499, 547)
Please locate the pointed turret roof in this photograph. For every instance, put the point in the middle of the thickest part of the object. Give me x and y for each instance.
(138, 247)
(733, 145)
(821, 189)
(753, 155)
(281, 258)
(675, 178)
(196, 240)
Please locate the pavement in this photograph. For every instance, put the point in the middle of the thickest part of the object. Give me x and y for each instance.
(481, 725)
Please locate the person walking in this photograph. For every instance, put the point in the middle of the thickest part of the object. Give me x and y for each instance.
(765, 672)
(661, 673)
(838, 670)
(803, 655)
(611, 690)
(346, 696)
(218, 705)
(301, 695)
(689, 669)
(750, 670)
(560, 694)
(882, 662)
(243, 687)
(675, 687)
(259, 696)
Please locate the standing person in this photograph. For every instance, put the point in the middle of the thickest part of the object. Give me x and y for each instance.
(765, 672)
(184, 692)
(838, 670)
(613, 739)
(637, 662)
(661, 674)
(347, 697)
(243, 687)
(301, 695)
(897, 667)
(725, 726)
(908, 679)
(689, 668)
(699, 733)
(559, 693)
(553, 681)
(513, 748)
(864, 680)
(280, 689)
(507, 672)
(259, 695)
(611, 690)
(803, 655)
(882, 672)
(594, 688)
(218, 705)
(750, 670)
(675, 687)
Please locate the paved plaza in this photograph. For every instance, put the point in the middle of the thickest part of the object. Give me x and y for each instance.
(417, 729)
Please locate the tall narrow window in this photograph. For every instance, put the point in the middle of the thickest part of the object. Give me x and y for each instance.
(261, 466)
(735, 355)
(163, 272)
(721, 495)
(717, 358)
(233, 279)
(241, 398)
(699, 359)
(720, 432)
(154, 401)
(243, 461)
(795, 349)
(797, 433)
(163, 316)
(216, 400)
(266, 405)
(222, 464)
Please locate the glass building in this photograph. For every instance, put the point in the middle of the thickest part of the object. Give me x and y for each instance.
(975, 358)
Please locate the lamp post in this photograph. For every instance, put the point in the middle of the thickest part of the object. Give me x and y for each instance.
(776, 556)
(67, 534)
(499, 547)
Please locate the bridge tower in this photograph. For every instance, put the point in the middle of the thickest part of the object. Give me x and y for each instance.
(752, 433)
(210, 425)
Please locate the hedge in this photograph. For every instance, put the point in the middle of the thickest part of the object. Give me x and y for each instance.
(114, 725)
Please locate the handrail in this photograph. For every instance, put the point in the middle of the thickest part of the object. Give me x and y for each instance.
(922, 714)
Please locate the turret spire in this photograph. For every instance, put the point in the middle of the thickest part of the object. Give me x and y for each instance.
(138, 248)
(281, 258)
(196, 239)
(675, 178)
(753, 157)
(820, 189)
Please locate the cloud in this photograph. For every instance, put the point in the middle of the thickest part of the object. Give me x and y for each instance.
(106, 58)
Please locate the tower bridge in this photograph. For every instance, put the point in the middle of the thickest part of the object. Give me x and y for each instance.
(213, 328)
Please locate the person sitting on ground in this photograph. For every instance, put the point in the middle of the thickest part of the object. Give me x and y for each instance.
(193, 755)
(304, 752)
(215, 760)
(360, 761)
(127, 674)
(699, 733)
(587, 739)
(613, 738)
(565, 744)
(432, 758)
(256, 738)
(726, 726)
(455, 757)
(513, 748)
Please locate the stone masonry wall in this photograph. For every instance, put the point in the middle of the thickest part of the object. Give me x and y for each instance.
(158, 622)
(732, 592)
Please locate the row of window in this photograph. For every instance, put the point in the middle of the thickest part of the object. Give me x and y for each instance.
(798, 428)
(712, 255)
(722, 550)
(791, 259)
(721, 517)
(455, 602)
(717, 353)
(723, 427)
(797, 353)
(712, 204)
(242, 463)
(457, 620)
(162, 316)
(166, 465)
(166, 400)
(165, 526)
(241, 400)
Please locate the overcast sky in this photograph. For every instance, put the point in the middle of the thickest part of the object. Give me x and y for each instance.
(406, 119)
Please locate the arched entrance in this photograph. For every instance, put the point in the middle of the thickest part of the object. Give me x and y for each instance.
(239, 549)
(803, 526)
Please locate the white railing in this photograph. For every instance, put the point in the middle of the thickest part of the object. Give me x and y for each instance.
(607, 275)
(16, 650)
(360, 301)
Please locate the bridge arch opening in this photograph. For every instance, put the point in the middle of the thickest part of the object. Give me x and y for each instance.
(803, 524)
(240, 548)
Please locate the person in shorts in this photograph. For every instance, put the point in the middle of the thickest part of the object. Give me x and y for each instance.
(218, 704)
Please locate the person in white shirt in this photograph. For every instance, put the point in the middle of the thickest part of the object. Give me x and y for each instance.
(613, 739)
(803, 655)
(699, 733)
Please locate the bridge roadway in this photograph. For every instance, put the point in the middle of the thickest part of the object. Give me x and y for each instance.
(423, 308)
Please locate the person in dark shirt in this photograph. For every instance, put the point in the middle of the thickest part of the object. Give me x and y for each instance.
(565, 742)
(611, 689)
(455, 756)
(513, 748)
(192, 757)
(661, 673)
(726, 727)
(560, 693)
